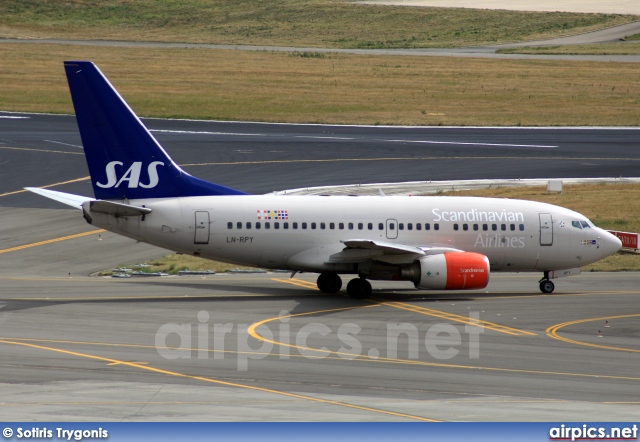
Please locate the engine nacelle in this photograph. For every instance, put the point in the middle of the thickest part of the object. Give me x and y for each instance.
(453, 271)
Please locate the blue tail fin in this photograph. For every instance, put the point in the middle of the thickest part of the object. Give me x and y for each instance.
(125, 160)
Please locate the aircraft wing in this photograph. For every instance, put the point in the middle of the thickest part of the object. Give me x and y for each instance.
(361, 250)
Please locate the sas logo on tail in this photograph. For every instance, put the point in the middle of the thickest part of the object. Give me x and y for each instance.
(131, 176)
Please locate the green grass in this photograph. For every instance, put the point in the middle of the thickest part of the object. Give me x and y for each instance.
(316, 23)
(621, 48)
(335, 88)
(174, 263)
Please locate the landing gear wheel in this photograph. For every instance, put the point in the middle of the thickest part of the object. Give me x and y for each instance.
(329, 283)
(359, 288)
(546, 286)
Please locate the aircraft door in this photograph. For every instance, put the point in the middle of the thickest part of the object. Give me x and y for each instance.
(392, 229)
(546, 229)
(202, 228)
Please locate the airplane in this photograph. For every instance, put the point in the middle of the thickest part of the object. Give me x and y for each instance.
(436, 242)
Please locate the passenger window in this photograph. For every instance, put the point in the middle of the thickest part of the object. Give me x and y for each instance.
(436, 226)
(400, 226)
(276, 225)
(455, 227)
(409, 226)
(465, 227)
(313, 226)
(392, 226)
(239, 225)
(418, 226)
(427, 226)
(494, 227)
(380, 226)
(522, 227)
(267, 225)
(512, 226)
(360, 226)
(229, 225)
(475, 227)
(332, 226)
(304, 226)
(370, 226)
(485, 227)
(350, 226)
(248, 225)
(257, 225)
(322, 226)
(341, 226)
(285, 225)
(503, 227)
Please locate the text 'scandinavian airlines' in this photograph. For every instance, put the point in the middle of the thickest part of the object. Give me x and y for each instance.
(439, 242)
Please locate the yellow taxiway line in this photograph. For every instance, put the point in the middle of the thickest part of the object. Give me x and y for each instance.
(51, 241)
(145, 367)
(552, 332)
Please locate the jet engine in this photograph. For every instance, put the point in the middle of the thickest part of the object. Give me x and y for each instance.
(453, 271)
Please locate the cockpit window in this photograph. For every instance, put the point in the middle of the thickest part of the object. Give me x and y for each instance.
(581, 224)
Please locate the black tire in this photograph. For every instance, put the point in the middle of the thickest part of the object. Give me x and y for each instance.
(547, 286)
(359, 288)
(329, 282)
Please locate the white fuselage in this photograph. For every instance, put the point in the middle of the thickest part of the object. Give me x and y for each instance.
(303, 232)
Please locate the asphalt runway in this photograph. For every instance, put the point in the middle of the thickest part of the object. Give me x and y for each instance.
(250, 347)
(264, 347)
(44, 150)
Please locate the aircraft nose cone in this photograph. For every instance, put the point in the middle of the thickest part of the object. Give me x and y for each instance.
(609, 243)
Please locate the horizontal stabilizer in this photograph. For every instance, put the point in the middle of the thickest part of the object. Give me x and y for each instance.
(116, 209)
(69, 199)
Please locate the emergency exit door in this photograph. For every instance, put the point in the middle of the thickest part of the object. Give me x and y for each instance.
(546, 229)
(202, 228)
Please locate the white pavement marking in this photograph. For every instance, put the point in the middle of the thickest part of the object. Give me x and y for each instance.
(204, 132)
(354, 138)
(468, 144)
(64, 144)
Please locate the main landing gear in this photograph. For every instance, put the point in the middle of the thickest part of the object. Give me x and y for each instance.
(358, 288)
(546, 286)
(329, 282)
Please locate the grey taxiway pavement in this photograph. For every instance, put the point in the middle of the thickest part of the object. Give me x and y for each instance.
(268, 347)
(607, 35)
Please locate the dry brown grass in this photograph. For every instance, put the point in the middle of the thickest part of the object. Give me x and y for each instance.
(359, 89)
